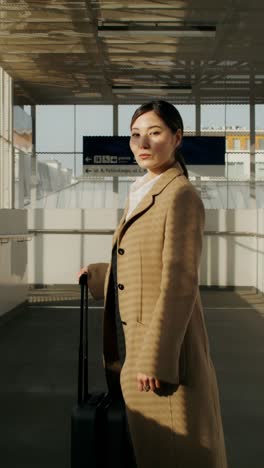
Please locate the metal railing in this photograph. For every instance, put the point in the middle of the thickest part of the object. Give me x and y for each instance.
(111, 231)
(5, 238)
(72, 231)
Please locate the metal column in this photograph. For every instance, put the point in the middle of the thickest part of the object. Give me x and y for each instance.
(6, 141)
(115, 133)
(197, 114)
(252, 139)
(33, 184)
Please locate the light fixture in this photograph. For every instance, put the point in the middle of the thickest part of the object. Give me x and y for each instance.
(155, 29)
(119, 89)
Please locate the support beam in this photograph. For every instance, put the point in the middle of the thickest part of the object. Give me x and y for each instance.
(115, 178)
(6, 141)
(252, 140)
(74, 142)
(33, 180)
(115, 119)
(197, 113)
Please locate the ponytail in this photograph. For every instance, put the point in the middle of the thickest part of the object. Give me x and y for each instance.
(180, 159)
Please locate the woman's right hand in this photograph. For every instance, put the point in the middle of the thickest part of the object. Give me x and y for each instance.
(96, 278)
(86, 271)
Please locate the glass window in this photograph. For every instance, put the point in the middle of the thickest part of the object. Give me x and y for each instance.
(236, 144)
(235, 169)
(261, 143)
(188, 116)
(54, 128)
(259, 116)
(237, 116)
(96, 120)
(212, 118)
(125, 113)
(247, 144)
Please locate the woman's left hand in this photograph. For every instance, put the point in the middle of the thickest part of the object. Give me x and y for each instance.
(146, 383)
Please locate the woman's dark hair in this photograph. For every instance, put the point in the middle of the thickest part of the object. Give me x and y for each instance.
(170, 116)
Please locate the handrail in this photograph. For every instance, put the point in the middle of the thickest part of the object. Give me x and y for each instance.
(5, 238)
(233, 233)
(111, 231)
(71, 231)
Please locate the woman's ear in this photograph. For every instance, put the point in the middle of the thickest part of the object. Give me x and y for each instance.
(178, 137)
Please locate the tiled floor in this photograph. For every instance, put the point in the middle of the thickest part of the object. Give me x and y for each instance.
(38, 368)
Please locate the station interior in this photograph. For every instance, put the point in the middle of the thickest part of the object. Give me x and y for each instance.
(75, 69)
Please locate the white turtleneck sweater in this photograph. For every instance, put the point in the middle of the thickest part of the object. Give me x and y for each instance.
(138, 190)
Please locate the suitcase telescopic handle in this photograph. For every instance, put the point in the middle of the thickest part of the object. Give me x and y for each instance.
(83, 343)
(83, 279)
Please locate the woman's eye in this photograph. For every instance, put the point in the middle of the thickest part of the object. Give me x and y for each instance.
(155, 133)
(135, 135)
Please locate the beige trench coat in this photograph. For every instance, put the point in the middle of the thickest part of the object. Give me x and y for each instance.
(159, 249)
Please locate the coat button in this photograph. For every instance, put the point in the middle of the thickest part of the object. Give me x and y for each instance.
(121, 286)
(121, 251)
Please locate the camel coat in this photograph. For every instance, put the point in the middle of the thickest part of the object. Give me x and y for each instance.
(158, 254)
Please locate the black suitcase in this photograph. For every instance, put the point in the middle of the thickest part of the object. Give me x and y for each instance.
(99, 431)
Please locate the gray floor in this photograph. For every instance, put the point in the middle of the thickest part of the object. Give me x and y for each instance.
(38, 368)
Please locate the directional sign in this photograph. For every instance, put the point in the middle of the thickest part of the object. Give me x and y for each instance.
(109, 156)
(118, 170)
(109, 159)
(112, 155)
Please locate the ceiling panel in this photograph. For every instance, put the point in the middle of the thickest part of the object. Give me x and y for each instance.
(55, 54)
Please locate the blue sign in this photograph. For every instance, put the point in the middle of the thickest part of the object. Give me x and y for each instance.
(115, 150)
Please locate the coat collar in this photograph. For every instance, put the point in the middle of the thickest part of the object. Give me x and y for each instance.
(148, 200)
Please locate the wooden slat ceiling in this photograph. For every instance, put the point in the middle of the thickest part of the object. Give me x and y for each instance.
(54, 53)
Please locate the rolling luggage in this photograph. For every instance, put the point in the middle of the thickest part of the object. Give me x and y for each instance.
(99, 431)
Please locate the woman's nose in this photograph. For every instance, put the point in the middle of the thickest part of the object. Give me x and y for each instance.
(143, 142)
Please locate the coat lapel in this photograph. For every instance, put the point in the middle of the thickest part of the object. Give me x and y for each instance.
(147, 201)
(120, 225)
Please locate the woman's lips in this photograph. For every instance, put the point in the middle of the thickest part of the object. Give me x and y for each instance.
(144, 156)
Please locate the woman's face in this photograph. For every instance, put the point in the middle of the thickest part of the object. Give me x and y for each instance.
(153, 143)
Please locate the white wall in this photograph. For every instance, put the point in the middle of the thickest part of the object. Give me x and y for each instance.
(13, 261)
(57, 258)
(226, 260)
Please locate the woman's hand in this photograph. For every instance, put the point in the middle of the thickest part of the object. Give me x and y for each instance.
(146, 383)
(96, 273)
(84, 270)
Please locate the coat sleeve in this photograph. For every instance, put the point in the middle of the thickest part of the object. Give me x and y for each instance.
(97, 274)
(160, 352)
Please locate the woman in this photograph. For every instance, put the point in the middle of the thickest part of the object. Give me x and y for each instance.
(167, 377)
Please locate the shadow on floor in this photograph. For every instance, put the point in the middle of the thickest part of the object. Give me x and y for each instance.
(38, 365)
